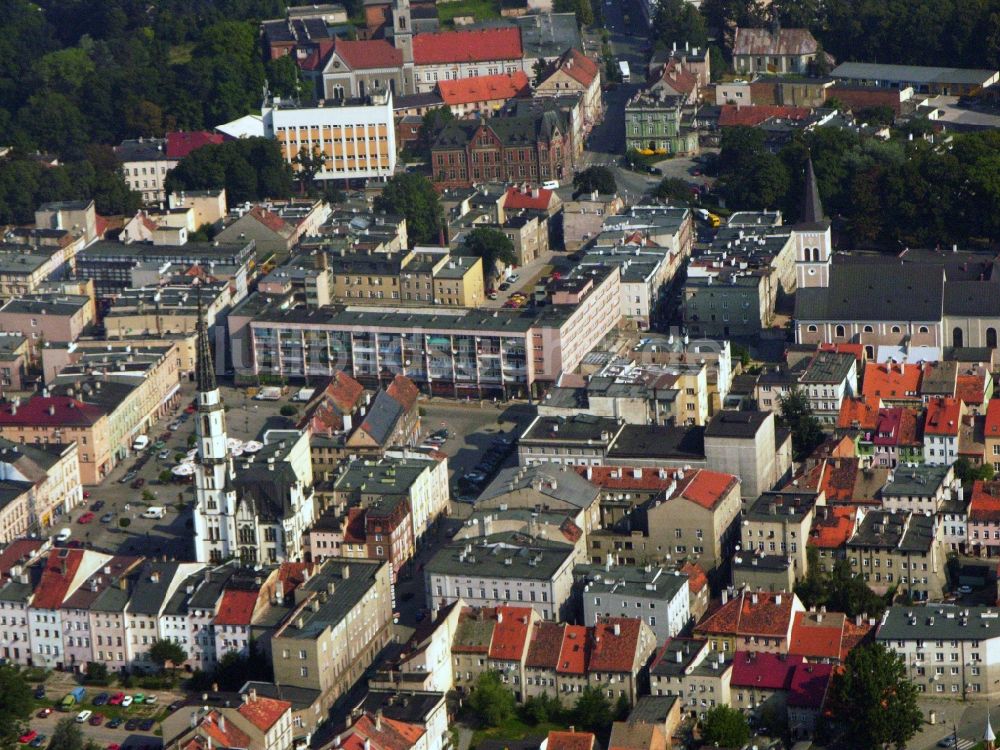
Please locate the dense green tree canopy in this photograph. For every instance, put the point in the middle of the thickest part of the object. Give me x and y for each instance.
(492, 702)
(491, 245)
(874, 700)
(15, 705)
(600, 179)
(249, 169)
(725, 727)
(413, 196)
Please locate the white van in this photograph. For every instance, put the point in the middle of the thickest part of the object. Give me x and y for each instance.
(154, 511)
(64, 535)
(140, 443)
(551, 184)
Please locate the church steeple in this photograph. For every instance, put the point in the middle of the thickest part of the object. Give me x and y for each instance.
(812, 206)
(204, 371)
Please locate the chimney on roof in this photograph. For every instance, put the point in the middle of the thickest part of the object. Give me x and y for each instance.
(618, 628)
(222, 721)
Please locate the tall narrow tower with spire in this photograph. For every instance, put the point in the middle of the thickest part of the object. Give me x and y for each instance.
(215, 493)
(813, 241)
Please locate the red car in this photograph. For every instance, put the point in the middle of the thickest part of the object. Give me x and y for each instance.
(113, 746)
(86, 494)
(27, 737)
(116, 699)
(96, 720)
(190, 408)
(86, 517)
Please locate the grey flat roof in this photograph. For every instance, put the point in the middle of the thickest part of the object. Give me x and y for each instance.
(911, 73)
(372, 318)
(939, 622)
(347, 592)
(915, 481)
(509, 555)
(577, 428)
(627, 580)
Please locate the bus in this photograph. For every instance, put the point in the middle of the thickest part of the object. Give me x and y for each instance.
(623, 67)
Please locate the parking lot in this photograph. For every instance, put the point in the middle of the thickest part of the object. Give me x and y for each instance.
(135, 726)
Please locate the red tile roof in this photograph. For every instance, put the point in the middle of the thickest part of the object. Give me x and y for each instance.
(708, 488)
(60, 568)
(382, 734)
(855, 633)
(678, 78)
(611, 652)
(833, 531)
(537, 199)
(270, 220)
(970, 389)
(368, 54)
(546, 643)
(992, 428)
(858, 350)
(859, 413)
(510, 636)
(763, 671)
(231, 736)
(17, 552)
(291, 575)
(570, 740)
(732, 116)
(817, 635)
(809, 684)
(182, 143)
(742, 616)
(404, 391)
(484, 89)
(942, 417)
(627, 477)
(697, 579)
(51, 411)
(314, 55)
(236, 607)
(480, 45)
(892, 381)
(263, 712)
(577, 66)
(985, 503)
(573, 651)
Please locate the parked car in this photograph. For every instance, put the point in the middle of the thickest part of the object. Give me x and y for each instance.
(116, 699)
(126, 702)
(139, 699)
(493, 294)
(106, 518)
(96, 720)
(175, 425)
(86, 494)
(114, 724)
(146, 724)
(964, 589)
(163, 455)
(513, 278)
(38, 741)
(100, 699)
(138, 483)
(64, 535)
(27, 737)
(86, 517)
(82, 717)
(151, 699)
(97, 505)
(39, 692)
(44, 712)
(113, 745)
(131, 725)
(504, 287)
(174, 706)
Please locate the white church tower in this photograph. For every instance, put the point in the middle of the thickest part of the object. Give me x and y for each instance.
(215, 493)
(813, 241)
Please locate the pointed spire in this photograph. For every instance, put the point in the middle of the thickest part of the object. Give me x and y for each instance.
(203, 364)
(988, 736)
(812, 206)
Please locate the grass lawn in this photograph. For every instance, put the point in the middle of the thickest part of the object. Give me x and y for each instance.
(481, 10)
(513, 729)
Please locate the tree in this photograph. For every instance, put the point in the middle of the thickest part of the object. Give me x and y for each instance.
(491, 245)
(600, 179)
(67, 736)
(97, 672)
(491, 700)
(432, 123)
(283, 76)
(673, 189)
(537, 72)
(164, 650)
(806, 431)
(309, 165)
(874, 700)
(677, 22)
(725, 727)
(413, 196)
(968, 473)
(592, 710)
(15, 705)
(287, 410)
